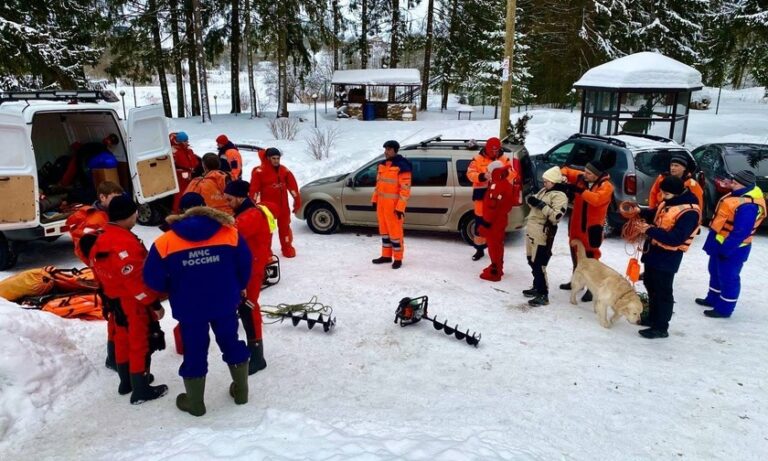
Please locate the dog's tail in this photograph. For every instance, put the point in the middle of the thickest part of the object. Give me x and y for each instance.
(581, 253)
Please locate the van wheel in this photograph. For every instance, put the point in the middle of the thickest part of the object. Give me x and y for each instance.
(8, 255)
(322, 219)
(149, 215)
(467, 228)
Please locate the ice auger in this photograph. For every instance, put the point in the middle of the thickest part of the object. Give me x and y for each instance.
(412, 310)
(301, 312)
(271, 273)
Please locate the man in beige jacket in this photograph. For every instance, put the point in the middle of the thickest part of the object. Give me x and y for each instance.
(548, 206)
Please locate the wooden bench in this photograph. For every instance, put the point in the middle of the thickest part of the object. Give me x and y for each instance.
(463, 109)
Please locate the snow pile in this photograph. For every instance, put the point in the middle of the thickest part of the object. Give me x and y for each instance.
(39, 363)
(641, 70)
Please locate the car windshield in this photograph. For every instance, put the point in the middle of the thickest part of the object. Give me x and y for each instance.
(752, 157)
(655, 162)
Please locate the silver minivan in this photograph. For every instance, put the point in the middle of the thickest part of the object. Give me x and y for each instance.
(441, 194)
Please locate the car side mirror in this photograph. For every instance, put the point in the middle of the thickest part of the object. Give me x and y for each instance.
(351, 182)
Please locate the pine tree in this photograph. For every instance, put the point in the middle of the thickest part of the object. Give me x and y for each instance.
(672, 27)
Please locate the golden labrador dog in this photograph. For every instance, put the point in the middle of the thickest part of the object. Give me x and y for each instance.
(609, 288)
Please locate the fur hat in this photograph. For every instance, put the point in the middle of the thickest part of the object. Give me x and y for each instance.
(553, 175)
(672, 185)
(238, 188)
(121, 207)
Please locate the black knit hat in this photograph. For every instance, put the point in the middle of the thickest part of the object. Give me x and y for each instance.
(121, 207)
(680, 159)
(273, 152)
(237, 188)
(596, 167)
(672, 185)
(744, 177)
(191, 200)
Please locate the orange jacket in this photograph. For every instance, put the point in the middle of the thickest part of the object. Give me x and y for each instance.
(655, 197)
(211, 187)
(590, 207)
(393, 182)
(666, 218)
(85, 220)
(478, 166)
(725, 213)
(235, 161)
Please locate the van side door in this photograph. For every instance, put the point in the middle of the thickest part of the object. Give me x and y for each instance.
(357, 193)
(19, 193)
(150, 159)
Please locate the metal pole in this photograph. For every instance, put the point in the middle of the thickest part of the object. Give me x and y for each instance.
(216, 104)
(325, 94)
(315, 112)
(509, 53)
(133, 84)
(719, 92)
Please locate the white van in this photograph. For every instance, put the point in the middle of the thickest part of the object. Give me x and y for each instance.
(37, 127)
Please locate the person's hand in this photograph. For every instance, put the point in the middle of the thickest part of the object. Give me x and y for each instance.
(578, 188)
(535, 201)
(399, 214)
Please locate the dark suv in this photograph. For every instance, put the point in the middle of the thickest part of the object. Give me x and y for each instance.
(637, 161)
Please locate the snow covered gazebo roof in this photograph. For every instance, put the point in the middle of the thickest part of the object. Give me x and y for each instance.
(641, 72)
(377, 77)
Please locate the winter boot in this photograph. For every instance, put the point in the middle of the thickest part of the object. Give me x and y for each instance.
(713, 314)
(587, 296)
(239, 387)
(192, 400)
(125, 379)
(289, 252)
(652, 333)
(142, 391)
(257, 362)
(703, 302)
(531, 293)
(540, 300)
(110, 361)
(565, 286)
(397, 264)
(382, 260)
(479, 252)
(493, 275)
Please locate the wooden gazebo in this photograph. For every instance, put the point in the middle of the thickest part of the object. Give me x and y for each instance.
(369, 94)
(646, 93)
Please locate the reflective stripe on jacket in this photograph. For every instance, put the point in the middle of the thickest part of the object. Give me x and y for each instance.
(393, 182)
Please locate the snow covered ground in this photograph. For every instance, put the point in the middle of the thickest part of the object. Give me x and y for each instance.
(545, 383)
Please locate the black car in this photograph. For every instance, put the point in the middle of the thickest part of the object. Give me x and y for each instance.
(717, 162)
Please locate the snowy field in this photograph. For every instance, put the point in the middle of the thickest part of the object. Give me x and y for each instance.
(545, 383)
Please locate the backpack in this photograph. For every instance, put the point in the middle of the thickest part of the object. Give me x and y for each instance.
(73, 305)
(33, 282)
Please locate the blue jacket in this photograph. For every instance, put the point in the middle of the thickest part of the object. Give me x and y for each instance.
(202, 263)
(663, 259)
(743, 223)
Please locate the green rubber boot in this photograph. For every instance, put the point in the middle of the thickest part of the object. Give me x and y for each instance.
(239, 387)
(192, 401)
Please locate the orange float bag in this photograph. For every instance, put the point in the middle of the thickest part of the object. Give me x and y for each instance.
(73, 280)
(34, 282)
(633, 270)
(75, 306)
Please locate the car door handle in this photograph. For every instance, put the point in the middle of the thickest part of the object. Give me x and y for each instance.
(447, 195)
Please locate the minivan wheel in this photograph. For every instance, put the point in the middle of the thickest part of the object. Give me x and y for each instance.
(322, 219)
(149, 215)
(8, 256)
(467, 228)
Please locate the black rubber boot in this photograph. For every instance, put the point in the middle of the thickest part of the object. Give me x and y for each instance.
(587, 296)
(125, 379)
(192, 401)
(479, 252)
(239, 387)
(257, 362)
(397, 264)
(565, 286)
(540, 300)
(142, 391)
(382, 260)
(703, 302)
(110, 361)
(531, 293)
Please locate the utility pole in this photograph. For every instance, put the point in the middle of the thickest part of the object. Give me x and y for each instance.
(506, 71)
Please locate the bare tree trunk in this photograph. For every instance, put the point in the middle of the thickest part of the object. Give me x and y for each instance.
(447, 69)
(336, 27)
(364, 35)
(282, 73)
(394, 43)
(234, 59)
(205, 106)
(177, 54)
(158, 57)
(191, 52)
(427, 57)
(249, 50)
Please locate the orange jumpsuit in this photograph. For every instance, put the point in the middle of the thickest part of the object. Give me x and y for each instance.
(590, 208)
(478, 167)
(273, 185)
(186, 163)
(497, 203)
(393, 188)
(211, 187)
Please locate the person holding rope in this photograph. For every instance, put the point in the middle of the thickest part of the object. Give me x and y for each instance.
(669, 230)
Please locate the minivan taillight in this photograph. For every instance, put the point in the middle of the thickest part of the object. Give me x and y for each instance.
(630, 184)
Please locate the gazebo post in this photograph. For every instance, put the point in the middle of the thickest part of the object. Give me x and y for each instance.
(674, 117)
(583, 121)
(618, 112)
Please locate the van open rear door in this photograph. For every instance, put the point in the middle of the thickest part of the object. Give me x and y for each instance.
(19, 207)
(150, 158)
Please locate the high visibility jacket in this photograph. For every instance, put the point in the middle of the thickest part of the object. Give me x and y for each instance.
(256, 224)
(86, 220)
(270, 184)
(393, 182)
(202, 263)
(479, 166)
(725, 213)
(590, 207)
(211, 187)
(655, 197)
(232, 157)
(667, 217)
(117, 259)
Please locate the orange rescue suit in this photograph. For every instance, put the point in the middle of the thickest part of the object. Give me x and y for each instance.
(390, 198)
(590, 209)
(211, 187)
(85, 220)
(270, 184)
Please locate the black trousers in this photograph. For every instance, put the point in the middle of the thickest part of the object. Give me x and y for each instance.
(541, 256)
(660, 297)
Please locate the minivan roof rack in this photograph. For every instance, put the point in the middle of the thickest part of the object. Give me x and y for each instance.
(437, 138)
(609, 140)
(59, 95)
(652, 137)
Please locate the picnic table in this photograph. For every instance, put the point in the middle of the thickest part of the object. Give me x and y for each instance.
(464, 109)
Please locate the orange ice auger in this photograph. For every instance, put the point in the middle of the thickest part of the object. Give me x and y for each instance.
(412, 310)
